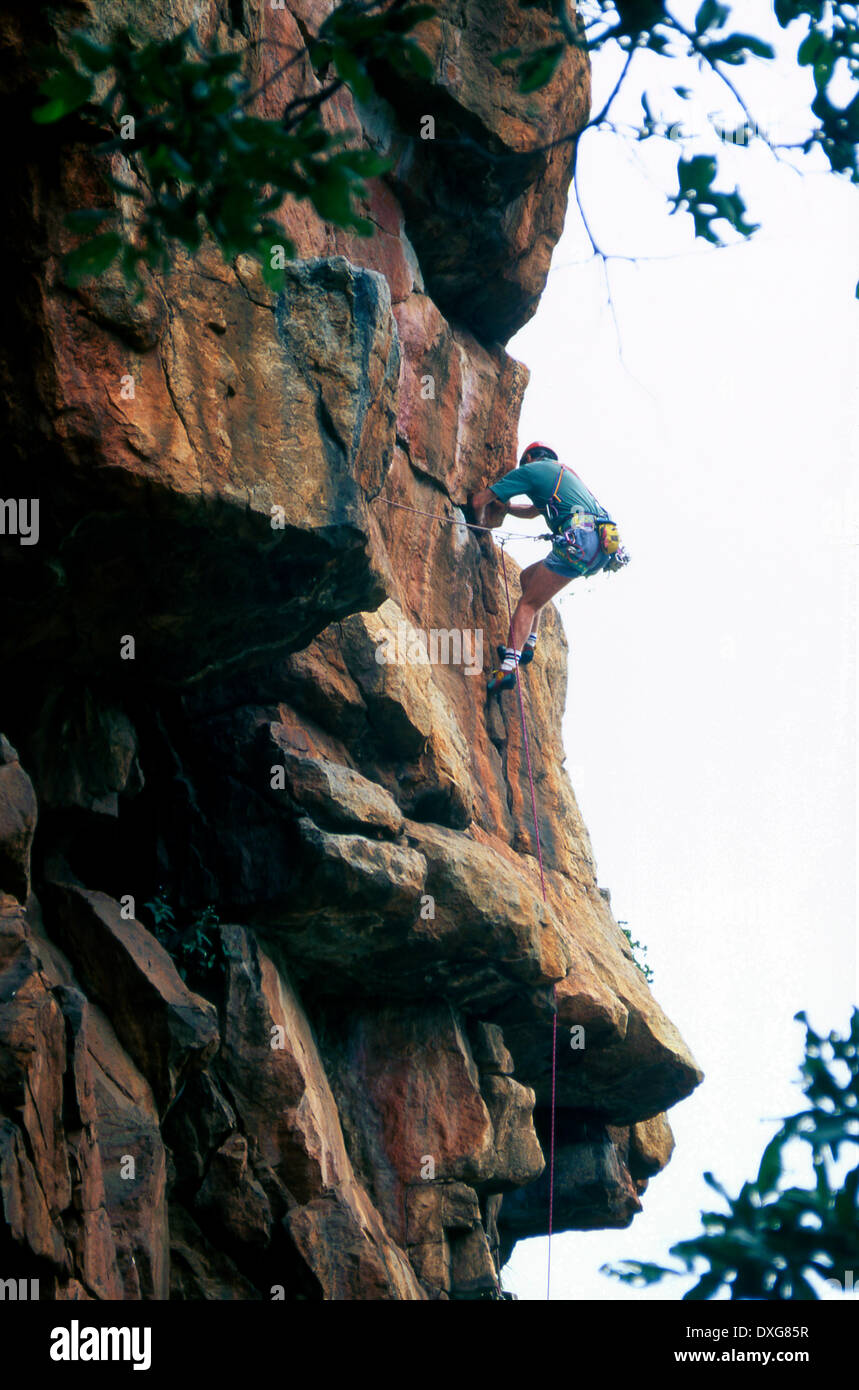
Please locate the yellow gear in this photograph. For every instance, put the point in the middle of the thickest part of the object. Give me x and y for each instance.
(610, 538)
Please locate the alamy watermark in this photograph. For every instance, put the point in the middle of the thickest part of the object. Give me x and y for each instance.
(20, 517)
(440, 646)
(19, 1289)
(76, 1343)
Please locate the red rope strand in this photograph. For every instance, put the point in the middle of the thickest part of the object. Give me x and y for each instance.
(452, 521)
(527, 748)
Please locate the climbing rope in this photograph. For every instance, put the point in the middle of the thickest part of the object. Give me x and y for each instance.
(472, 526)
(527, 748)
(504, 535)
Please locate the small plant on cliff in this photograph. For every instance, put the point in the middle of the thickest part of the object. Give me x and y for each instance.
(775, 1234)
(642, 964)
(172, 121)
(196, 954)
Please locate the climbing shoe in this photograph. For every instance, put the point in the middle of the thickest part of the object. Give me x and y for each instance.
(525, 658)
(501, 680)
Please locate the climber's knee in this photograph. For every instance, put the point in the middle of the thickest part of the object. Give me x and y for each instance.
(540, 584)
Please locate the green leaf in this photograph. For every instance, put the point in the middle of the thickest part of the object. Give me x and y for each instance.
(353, 72)
(128, 190)
(711, 15)
(713, 1182)
(734, 49)
(419, 62)
(696, 173)
(97, 57)
(759, 47)
(812, 48)
(331, 196)
(770, 1167)
(786, 11)
(638, 1272)
(84, 219)
(802, 1291)
(319, 52)
(539, 68)
(407, 19)
(367, 163)
(92, 258)
(846, 1202)
(64, 91)
(507, 55)
(638, 16)
(708, 1285)
(225, 63)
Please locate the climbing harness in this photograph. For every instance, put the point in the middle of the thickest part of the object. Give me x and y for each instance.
(618, 556)
(610, 538)
(617, 560)
(578, 545)
(589, 543)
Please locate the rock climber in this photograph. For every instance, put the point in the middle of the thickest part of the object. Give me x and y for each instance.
(585, 541)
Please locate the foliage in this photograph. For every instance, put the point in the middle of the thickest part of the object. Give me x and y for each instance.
(828, 46)
(199, 163)
(182, 144)
(197, 956)
(642, 964)
(774, 1233)
(696, 178)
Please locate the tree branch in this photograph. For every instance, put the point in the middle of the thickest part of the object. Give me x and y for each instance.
(598, 120)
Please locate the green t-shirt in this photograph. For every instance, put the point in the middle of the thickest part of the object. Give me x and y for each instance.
(554, 488)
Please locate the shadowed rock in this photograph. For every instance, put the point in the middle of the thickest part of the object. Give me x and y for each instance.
(166, 1029)
(17, 823)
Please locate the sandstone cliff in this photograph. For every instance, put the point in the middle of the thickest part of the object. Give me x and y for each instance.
(347, 1097)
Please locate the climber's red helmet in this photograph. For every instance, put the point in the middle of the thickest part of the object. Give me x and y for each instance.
(537, 450)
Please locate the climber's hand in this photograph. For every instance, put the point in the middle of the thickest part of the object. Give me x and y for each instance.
(487, 509)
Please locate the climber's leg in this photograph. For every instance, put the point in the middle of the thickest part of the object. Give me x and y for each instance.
(530, 643)
(539, 585)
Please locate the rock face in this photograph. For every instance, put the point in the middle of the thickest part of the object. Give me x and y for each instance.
(276, 975)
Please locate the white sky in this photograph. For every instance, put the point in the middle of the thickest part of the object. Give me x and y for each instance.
(710, 727)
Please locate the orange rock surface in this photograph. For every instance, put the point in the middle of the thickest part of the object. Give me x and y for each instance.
(271, 921)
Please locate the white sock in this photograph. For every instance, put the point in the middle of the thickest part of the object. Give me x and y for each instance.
(531, 639)
(511, 659)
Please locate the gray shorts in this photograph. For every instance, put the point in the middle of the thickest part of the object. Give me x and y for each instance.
(558, 565)
(587, 556)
